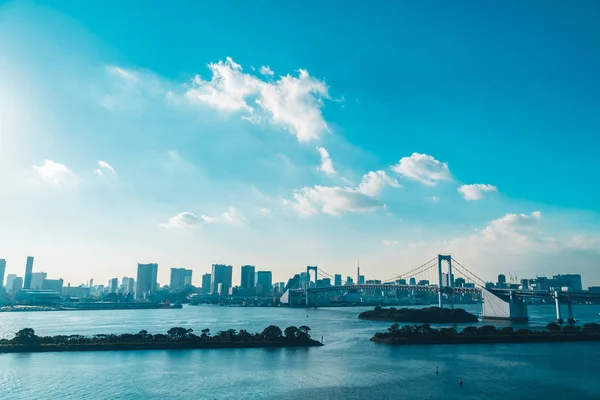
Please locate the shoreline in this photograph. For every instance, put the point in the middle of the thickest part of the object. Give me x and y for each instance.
(534, 338)
(5, 349)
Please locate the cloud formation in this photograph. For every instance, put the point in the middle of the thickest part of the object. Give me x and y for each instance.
(104, 167)
(326, 163)
(373, 182)
(266, 70)
(423, 168)
(330, 200)
(232, 215)
(476, 191)
(55, 174)
(184, 220)
(293, 103)
(514, 226)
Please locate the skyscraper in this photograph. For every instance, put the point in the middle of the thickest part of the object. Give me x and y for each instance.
(179, 276)
(146, 280)
(248, 279)
(206, 279)
(2, 271)
(17, 284)
(338, 280)
(221, 274)
(28, 271)
(264, 283)
(114, 284)
(10, 278)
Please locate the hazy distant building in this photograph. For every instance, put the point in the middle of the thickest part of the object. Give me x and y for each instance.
(361, 279)
(501, 281)
(2, 271)
(264, 283)
(9, 281)
(53, 284)
(17, 284)
(146, 280)
(570, 281)
(206, 281)
(325, 282)
(28, 271)
(459, 282)
(349, 281)
(114, 285)
(221, 274)
(36, 279)
(412, 281)
(525, 284)
(248, 279)
(179, 278)
(338, 280)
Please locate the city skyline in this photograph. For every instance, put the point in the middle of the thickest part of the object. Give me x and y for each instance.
(119, 147)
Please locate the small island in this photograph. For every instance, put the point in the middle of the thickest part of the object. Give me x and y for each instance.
(424, 334)
(177, 338)
(420, 315)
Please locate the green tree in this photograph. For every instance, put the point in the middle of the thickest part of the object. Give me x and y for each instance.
(394, 328)
(305, 331)
(26, 336)
(272, 332)
(291, 332)
(553, 327)
(179, 332)
(205, 332)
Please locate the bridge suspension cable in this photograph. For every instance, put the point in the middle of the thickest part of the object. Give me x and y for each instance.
(413, 271)
(466, 270)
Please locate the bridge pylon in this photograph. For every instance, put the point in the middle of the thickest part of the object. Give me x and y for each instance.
(308, 281)
(449, 282)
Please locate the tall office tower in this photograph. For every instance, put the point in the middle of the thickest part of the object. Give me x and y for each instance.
(2, 271)
(10, 278)
(248, 279)
(264, 283)
(36, 279)
(114, 285)
(17, 284)
(179, 276)
(206, 279)
(221, 274)
(28, 271)
(92, 282)
(146, 280)
(130, 286)
(338, 280)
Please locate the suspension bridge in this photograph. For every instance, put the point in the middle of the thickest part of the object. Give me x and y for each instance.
(309, 288)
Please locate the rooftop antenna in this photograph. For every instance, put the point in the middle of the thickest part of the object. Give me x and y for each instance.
(358, 272)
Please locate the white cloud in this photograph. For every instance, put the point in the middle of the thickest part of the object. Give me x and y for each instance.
(514, 226)
(232, 215)
(326, 163)
(266, 70)
(423, 168)
(330, 200)
(104, 167)
(373, 183)
(55, 174)
(389, 243)
(207, 219)
(293, 103)
(475, 191)
(184, 220)
(265, 210)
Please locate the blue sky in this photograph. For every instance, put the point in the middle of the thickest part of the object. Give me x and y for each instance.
(135, 132)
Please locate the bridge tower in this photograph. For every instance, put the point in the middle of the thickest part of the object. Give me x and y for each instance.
(308, 280)
(449, 282)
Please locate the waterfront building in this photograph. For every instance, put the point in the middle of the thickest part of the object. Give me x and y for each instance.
(55, 285)
(325, 282)
(28, 271)
(206, 279)
(525, 284)
(2, 271)
(349, 281)
(81, 292)
(401, 281)
(179, 278)
(361, 279)
(264, 283)
(17, 284)
(9, 282)
(338, 280)
(412, 281)
(423, 282)
(572, 282)
(221, 274)
(248, 279)
(114, 285)
(501, 281)
(459, 282)
(36, 279)
(146, 280)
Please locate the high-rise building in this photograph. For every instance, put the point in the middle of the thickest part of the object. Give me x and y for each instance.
(501, 280)
(338, 280)
(459, 282)
(92, 282)
(2, 271)
(36, 279)
(264, 283)
(206, 279)
(131, 286)
(146, 280)
(28, 271)
(413, 281)
(361, 279)
(10, 278)
(248, 279)
(17, 284)
(349, 281)
(179, 277)
(221, 274)
(53, 284)
(114, 285)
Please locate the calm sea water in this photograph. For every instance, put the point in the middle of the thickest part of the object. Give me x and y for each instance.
(348, 367)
